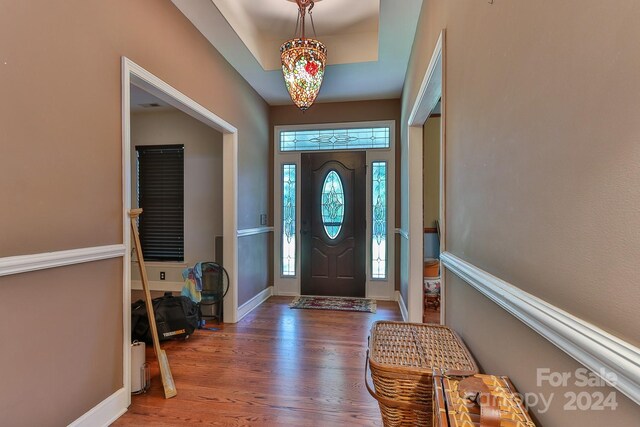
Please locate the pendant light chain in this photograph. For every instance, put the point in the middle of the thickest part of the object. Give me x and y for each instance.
(295, 33)
(312, 24)
(302, 11)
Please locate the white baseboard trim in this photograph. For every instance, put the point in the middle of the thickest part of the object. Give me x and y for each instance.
(287, 294)
(382, 298)
(254, 302)
(105, 412)
(403, 306)
(596, 349)
(25, 263)
(252, 231)
(161, 285)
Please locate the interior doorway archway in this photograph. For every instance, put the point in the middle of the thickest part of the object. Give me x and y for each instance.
(431, 91)
(133, 74)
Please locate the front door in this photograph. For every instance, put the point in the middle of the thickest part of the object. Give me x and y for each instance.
(333, 224)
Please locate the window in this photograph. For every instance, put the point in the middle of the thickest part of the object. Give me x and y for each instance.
(335, 139)
(379, 220)
(288, 220)
(332, 204)
(161, 196)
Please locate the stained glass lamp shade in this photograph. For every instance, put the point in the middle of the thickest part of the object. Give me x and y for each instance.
(303, 62)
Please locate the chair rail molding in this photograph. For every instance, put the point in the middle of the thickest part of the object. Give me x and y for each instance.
(403, 233)
(253, 231)
(42, 261)
(596, 349)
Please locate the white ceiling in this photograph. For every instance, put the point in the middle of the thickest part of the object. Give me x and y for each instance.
(263, 27)
(142, 101)
(368, 42)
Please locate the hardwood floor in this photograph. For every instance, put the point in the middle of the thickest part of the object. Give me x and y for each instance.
(431, 315)
(278, 366)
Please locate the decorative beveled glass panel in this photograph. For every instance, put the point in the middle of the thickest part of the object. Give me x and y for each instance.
(379, 219)
(335, 139)
(288, 220)
(332, 204)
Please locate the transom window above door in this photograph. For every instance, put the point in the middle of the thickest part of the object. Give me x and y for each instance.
(335, 139)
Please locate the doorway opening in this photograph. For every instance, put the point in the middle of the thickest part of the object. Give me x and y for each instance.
(176, 177)
(134, 76)
(431, 94)
(431, 219)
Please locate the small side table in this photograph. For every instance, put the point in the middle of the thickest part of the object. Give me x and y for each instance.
(431, 297)
(432, 300)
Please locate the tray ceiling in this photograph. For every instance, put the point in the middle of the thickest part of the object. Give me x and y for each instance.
(368, 42)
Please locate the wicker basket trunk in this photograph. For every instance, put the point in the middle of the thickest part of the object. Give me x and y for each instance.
(402, 358)
(452, 409)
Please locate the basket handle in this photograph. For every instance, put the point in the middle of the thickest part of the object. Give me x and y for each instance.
(475, 390)
(385, 400)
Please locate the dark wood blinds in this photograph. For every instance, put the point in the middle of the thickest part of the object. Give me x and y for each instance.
(161, 197)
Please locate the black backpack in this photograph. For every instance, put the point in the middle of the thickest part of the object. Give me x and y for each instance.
(176, 318)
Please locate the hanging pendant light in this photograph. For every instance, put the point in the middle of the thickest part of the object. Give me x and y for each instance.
(303, 62)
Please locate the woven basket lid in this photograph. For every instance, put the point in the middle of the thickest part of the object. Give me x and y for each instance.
(419, 347)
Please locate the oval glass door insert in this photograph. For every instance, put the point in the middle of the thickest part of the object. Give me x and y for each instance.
(332, 204)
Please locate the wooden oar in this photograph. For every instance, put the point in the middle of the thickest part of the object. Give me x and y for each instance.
(165, 372)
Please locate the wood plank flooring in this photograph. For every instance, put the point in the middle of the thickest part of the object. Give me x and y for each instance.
(276, 367)
(431, 315)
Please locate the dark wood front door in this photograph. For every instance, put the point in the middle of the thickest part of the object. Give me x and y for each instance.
(333, 224)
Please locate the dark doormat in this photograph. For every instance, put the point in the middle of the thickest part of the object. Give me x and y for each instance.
(367, 305)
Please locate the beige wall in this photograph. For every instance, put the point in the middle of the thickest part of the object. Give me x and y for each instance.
(337, 112)
(61, 186)
(542, 171)
(504, 346)
(431, 171)
(58, 360)
(202, 181)
(257, 248)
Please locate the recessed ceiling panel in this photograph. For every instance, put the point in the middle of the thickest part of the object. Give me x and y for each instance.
(349, 29)
(368, 42)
